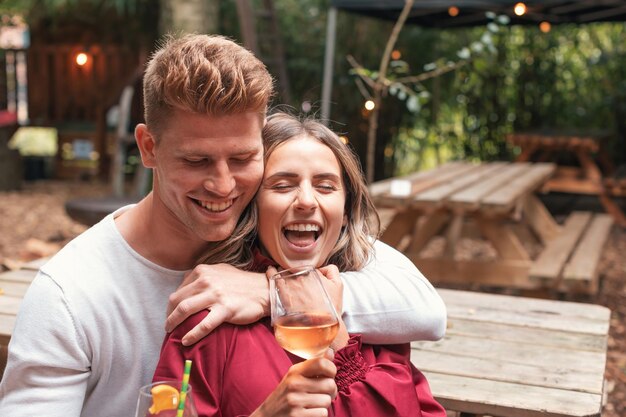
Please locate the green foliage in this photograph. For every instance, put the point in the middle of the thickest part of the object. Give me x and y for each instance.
(570, 79)
(55, 7)
(128, 21)
(517, 78)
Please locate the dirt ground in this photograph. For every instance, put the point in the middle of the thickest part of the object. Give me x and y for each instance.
(33, 223)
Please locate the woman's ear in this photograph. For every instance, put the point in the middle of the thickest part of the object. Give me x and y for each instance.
(345, 220)
(146, 143)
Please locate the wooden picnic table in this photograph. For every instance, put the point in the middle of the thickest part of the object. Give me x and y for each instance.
(502, 355)
(490, 201)
(517, 357)
(593, 172)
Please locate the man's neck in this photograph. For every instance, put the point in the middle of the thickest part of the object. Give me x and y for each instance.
(158, 238)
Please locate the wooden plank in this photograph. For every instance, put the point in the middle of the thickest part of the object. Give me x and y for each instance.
(383, 187)
(613, 209)
(539, 219)
(428, 227)
(583, 264)
(473, 357)
(434, 196)
(496, 368)
(9, 305)
(7, 323)
(592, 171)
(439, 175)
(470, 198)
(36, 264)
(505, 197)
(503, 239)
(13, 288)
(401, 224)
(552, 259)
(453, 233)
(528, 312)
(559, 322)
(4, 351)
(524, 334)
(19, 275)
(573, 186)
(481, 396)
(506, 273)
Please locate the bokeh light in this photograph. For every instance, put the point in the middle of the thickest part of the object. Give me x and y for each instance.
(81, 59)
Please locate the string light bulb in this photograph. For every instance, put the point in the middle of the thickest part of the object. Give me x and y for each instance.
(395, 54)
(453, 11)
(369, 105)
(545, 27)
(81, 58)
(519, 9)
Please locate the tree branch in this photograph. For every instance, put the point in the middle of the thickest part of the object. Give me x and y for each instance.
(379, 86)
(432, 74)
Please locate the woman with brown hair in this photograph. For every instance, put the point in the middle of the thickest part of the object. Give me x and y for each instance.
(312, 208)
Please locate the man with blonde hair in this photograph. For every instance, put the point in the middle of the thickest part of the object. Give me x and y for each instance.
(89, 329)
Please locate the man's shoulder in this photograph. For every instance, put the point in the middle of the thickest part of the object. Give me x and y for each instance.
(83, 250)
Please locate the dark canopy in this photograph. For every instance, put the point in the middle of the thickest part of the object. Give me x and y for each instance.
(434, 13)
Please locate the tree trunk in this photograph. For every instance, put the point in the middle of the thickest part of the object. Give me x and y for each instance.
(189, 16)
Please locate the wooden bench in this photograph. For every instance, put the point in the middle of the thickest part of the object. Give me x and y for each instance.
(569, 262)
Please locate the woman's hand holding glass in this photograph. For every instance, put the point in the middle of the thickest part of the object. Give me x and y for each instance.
(308, 389)
(304, 318)
(305, 323)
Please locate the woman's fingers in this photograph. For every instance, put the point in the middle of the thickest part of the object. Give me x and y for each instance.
(317, 368)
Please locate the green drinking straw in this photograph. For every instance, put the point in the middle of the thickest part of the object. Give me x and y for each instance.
(183, 389)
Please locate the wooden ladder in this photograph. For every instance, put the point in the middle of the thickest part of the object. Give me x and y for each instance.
(261, 34)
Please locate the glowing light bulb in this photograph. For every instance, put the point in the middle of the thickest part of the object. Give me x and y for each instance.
(81, 59)
(396, 54)
(453, 11)
(545, 27)
(519, 9)
(344, 139)
(369, 105)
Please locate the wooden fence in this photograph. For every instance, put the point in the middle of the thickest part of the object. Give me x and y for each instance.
(75, 97)
(8, 78)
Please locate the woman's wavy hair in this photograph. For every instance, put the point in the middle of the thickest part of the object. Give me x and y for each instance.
(354, 245)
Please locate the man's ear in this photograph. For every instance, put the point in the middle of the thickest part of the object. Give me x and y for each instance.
(146, 143)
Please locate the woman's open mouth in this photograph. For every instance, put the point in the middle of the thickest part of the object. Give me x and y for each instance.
(302, 235)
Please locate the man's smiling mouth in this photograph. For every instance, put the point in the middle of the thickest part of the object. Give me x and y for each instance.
(215, 207)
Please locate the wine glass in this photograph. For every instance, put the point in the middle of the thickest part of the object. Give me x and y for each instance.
(304, 319)
(160, 399)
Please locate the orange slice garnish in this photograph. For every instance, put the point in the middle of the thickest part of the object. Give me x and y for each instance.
(164, 397)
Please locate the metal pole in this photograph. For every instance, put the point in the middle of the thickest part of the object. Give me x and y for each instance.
(327, 84)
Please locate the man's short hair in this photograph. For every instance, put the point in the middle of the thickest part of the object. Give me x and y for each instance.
(203, 74)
